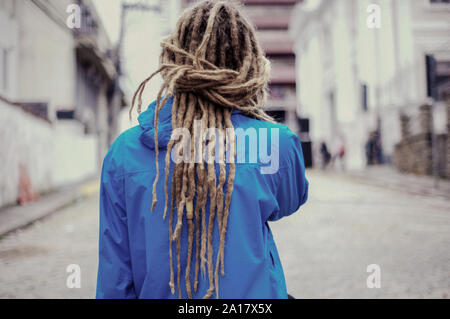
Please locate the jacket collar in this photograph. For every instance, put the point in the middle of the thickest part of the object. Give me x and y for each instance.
(147, 123)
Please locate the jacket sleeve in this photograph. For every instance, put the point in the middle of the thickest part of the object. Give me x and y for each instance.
(114, 278)
(292, 185)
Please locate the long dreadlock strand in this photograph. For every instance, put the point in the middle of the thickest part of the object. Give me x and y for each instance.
(229, 190)
(220, 193)
(200, 191)
(212, 199)
(222, 170)
(178, 238)
(201, 51)
(173, 199)
(204, 195)
(190, 206)
(159, 106)
(183, 176)
(169, 150)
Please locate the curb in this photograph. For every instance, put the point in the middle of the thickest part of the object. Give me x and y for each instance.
(400, 186)
(17, 217)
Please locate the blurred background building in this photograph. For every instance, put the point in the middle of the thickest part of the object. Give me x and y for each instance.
(57, 94)
(271, 19)
(367, 76)
(363, 63)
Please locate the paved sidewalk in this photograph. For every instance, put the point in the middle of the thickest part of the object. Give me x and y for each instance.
(15, 217)
(387, 176)
(34, 260)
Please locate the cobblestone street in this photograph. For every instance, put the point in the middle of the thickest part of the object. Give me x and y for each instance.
(325, 248)
(346, 226)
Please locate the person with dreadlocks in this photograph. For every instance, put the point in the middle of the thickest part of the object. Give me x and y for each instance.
(198, 227)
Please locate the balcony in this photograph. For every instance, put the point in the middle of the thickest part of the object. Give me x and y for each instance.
(275, 22)
(282, 75)
(282, 45)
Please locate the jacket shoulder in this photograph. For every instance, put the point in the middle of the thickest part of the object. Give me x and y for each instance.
(288, 142)
(114, 161)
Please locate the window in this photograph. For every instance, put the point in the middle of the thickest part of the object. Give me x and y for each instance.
(364, 97)
(4, 70)
(431, 68)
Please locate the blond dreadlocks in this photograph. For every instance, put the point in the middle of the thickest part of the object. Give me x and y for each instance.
(212, 64)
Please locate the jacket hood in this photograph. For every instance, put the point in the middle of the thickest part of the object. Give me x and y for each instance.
(147, 123)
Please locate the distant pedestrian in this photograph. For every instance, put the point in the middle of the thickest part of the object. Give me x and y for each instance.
(374, 151)
(338, 154)
(325, 154)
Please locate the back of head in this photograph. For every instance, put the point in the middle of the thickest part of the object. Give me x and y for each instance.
(228, 41)
(214, 54)
(211, 64)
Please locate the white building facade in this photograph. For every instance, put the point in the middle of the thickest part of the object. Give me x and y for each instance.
(54, 96)
(360, 62)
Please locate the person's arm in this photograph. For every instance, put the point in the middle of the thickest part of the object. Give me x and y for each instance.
(115, 279)
(292, 185)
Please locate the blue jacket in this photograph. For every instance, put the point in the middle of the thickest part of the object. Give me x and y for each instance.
(134, 244)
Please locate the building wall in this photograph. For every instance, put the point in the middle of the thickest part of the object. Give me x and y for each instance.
(43, 68)
(52, 154)
(77, 153)
(415, 153)
(46, 51)
(8, 50)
